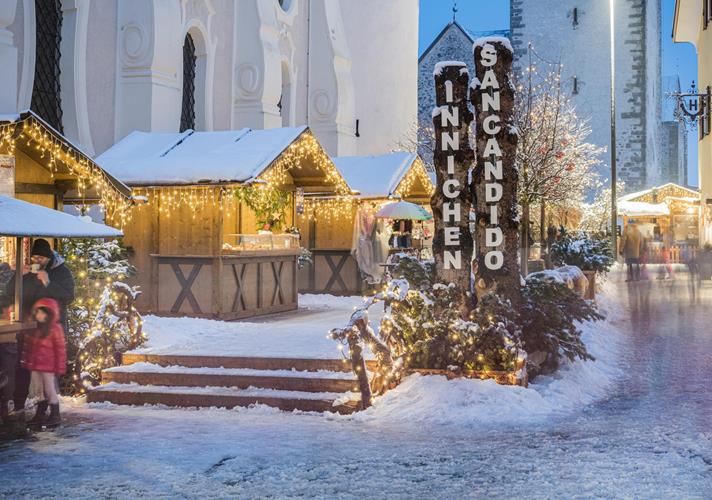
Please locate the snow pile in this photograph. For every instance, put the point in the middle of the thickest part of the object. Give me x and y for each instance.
(298, 334)
(434, 400)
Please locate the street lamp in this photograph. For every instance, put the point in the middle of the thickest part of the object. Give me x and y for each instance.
(614, 172)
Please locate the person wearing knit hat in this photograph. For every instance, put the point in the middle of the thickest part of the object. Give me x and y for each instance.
(47, 278)
(41, 248)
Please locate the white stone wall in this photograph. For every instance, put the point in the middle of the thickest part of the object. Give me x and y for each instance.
(329, 61)
(585, 52)
(383, 38)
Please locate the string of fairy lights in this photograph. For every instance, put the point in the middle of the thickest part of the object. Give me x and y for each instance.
(57, 155)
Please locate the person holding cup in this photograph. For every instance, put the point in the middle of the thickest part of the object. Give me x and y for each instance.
(47, 277)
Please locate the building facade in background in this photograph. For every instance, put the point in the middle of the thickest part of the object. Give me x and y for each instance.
(674, 139)
(99, 70)
(693, 24)
(578, 34)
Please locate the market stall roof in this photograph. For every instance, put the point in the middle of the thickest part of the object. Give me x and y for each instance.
(29, 117)
(670, 186)
(642, 209)
(189, 158)
(379, 176)
(20, 218)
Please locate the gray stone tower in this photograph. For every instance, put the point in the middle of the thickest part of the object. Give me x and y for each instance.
(577, 33)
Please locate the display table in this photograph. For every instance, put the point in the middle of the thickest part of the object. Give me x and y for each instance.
(236, 284)
(10, 329)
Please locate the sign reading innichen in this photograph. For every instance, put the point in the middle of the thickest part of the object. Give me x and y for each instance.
(452, 209)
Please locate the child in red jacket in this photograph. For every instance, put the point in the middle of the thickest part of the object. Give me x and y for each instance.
(44, 354)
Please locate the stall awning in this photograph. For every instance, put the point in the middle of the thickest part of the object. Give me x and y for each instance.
(642, 209)
(19, 218)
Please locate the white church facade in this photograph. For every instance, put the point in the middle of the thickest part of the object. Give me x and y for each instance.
(98, 70)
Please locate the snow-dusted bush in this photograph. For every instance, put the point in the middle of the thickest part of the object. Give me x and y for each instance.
(103, 302)
(550, 318)
(583, 251)
(115, 329)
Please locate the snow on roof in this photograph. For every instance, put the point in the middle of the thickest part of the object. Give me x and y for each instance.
(144, 158)
(638, 194)
(20, 218)
(642, 209)
(375, 176)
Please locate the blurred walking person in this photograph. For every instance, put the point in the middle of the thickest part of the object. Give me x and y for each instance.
(630, 247)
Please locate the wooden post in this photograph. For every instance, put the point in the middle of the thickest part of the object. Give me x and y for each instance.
(19, 263)
(358, 365)
(453, 158)
(495, 176)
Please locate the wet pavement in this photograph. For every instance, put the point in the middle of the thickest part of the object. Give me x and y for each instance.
(651, 438)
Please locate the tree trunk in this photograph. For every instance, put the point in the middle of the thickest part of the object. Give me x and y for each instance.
(524, 239)
(542, 224)
(452, 200)
(495, 176)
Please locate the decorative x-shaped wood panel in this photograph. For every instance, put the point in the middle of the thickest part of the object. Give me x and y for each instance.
(186, 284)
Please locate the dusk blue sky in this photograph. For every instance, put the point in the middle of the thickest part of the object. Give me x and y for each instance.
(481, 15)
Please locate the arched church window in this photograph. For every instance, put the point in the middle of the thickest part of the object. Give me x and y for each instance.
(187, 116)
(46, 99)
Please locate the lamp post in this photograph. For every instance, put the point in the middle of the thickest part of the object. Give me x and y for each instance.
(614, 171)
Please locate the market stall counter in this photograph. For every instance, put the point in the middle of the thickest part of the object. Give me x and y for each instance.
(256, 275)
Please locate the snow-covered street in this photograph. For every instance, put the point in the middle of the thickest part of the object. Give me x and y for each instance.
(642, 429)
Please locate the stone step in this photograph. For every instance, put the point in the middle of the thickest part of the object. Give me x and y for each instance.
(255, 363)
(223, 397)
(143, 373)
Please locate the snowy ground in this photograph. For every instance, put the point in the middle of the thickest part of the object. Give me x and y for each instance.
(636, 423)
(298, 334)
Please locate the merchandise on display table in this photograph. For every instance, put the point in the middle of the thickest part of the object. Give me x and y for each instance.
(262, 241)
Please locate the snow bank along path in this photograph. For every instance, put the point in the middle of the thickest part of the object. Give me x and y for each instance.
(436, 400)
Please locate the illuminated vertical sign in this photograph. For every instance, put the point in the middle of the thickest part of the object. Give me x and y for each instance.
(7, 175)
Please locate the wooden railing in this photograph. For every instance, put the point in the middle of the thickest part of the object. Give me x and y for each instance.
(677, 254)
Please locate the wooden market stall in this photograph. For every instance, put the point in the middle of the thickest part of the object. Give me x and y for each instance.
(331, 226)
(41, 172)
(199, 239)
(668, 217)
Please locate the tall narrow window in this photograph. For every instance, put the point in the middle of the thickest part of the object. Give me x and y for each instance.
(706, 13)
(575, 17)
(187, 115)
(46, 100)
(575, 89)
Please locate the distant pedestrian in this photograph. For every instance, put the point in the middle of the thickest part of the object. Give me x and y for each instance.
(44, 355)
(630, 247)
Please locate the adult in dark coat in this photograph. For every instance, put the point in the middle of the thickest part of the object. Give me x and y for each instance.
(53, 280)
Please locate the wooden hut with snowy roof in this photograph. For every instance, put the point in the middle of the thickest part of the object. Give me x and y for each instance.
(215, 237)
(669, 218)
(332, 225)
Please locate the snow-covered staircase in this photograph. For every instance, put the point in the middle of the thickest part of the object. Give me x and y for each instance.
(229, 381)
